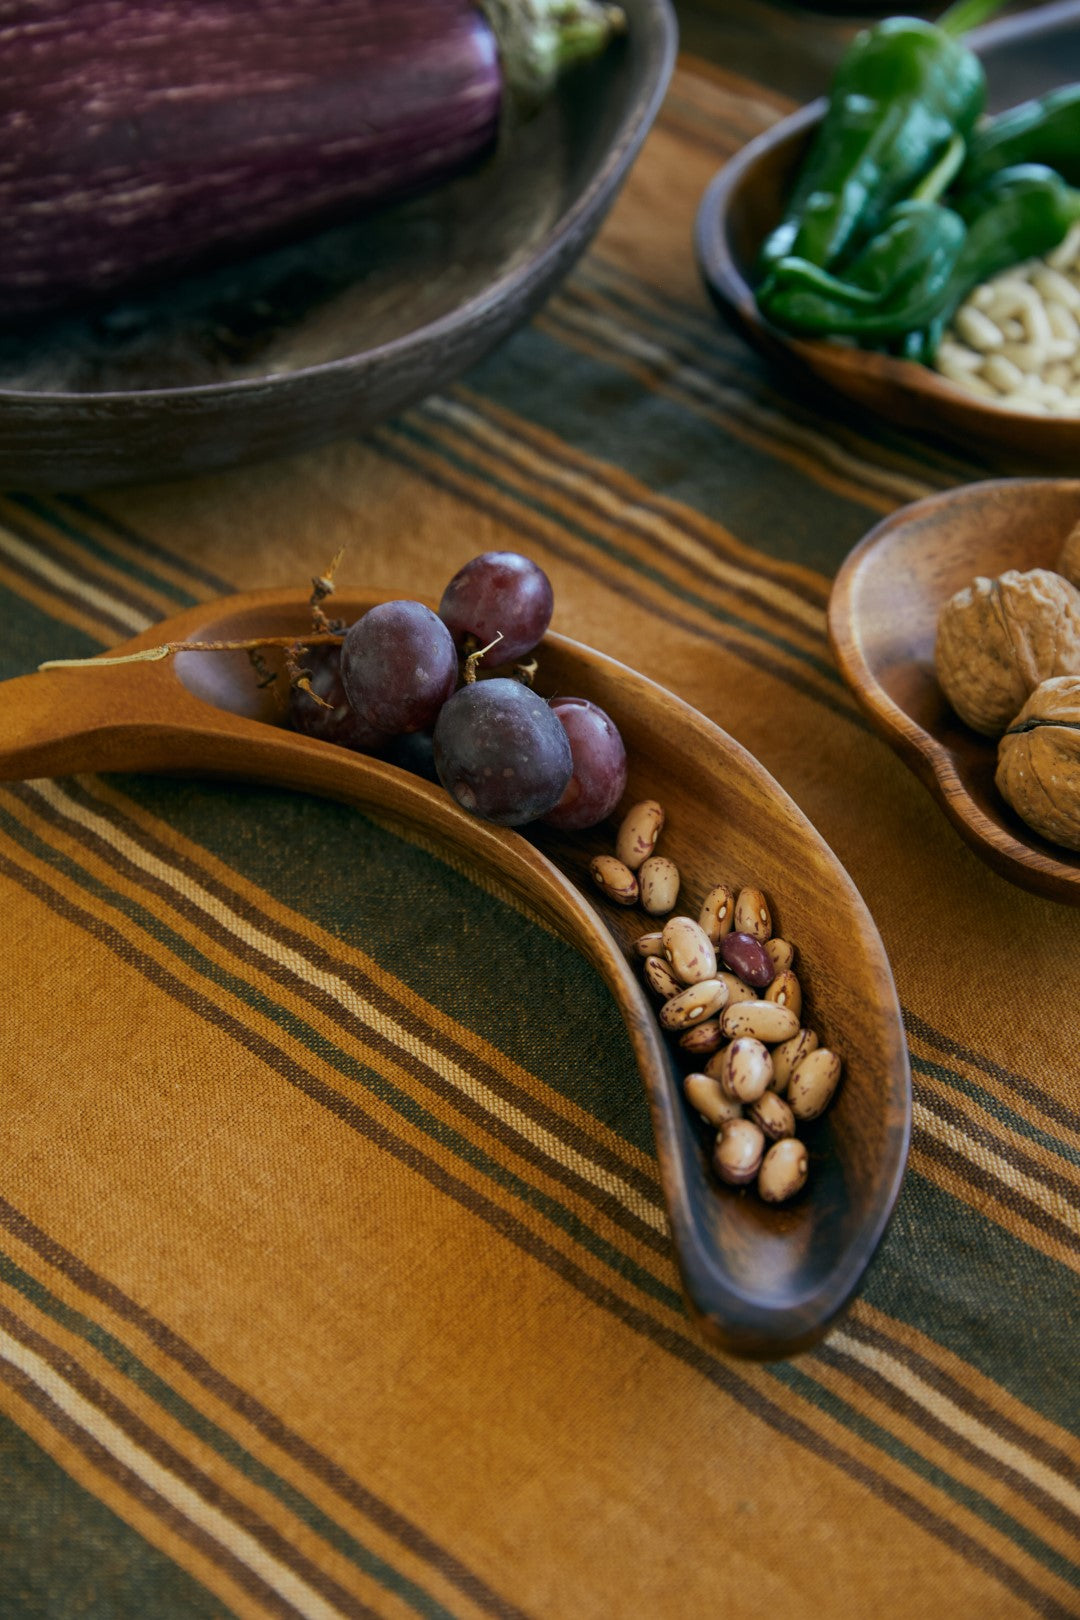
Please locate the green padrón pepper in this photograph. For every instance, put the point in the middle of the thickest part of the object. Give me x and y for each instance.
(904, 89)
(1043, 131)
(897, 282)
(1020, 213)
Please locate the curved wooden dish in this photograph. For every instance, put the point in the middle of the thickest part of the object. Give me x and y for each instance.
(760, 1281)
(745, 200)
(331, 334)
(883, 613)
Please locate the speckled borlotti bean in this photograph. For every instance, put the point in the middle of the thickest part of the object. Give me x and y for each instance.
(783, 1170)
(766, 1021)
(638, 832)
(689, 950)
(737, 990)
(752, 914)
(786, 991)
(660, 978)
(707, 1096)
(614, 879)
(718, 912)
(747, 957)
(745, 1070)
(702, 1039)
(780, 953)
(702, 1000)
(658, 880)
(813, 1081)
(738, 1151)
(773, 1115)
(788, 1054)
(650, 944)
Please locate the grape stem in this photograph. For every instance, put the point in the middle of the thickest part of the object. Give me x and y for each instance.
(153, 655)
(473, 660)
(322, 586)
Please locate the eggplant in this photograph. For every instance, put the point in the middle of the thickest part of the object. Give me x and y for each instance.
(137, 140)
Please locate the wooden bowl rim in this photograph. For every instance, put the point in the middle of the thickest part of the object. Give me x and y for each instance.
(1032, 865)
(532, 272)
(833, 364)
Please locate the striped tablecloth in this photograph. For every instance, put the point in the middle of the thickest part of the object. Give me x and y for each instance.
(334, 1274)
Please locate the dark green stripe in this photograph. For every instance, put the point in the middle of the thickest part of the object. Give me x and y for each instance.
(996, 1109)
(64, 1553)
(480, 961)
(974, 1501)
(120, 1357)
(31, 635)
(604, 411)
(983, 1293)
(108, 520)
(350, 1069)
(410, 429)
(704, 331)
(144, 576)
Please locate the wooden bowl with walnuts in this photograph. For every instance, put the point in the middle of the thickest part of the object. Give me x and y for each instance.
(956, 623)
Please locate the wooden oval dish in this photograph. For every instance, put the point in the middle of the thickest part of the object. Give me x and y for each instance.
(336, 332)
(761, 1281)
(883, 612)
(1023, 55)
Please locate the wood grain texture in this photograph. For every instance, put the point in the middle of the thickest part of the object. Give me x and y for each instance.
(1024, 55)
(760, 1281)
(883, 614)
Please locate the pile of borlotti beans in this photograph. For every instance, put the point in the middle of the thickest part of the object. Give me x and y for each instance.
(730, 997)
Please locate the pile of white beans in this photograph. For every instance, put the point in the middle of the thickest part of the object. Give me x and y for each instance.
(1015, 340)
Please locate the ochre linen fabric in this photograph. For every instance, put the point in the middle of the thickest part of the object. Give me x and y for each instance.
(334, 1273)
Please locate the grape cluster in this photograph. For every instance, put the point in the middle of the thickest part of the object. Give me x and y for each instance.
(504, 753)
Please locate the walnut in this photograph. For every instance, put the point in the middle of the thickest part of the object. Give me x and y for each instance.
(1068, 562)
(998, 638)
(1038, 769)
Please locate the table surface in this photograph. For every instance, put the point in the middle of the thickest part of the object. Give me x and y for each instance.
(334, 1276)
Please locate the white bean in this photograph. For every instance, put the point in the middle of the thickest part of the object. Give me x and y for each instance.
(957, 355)
(976, 385)
(1055, 288)
(978, 330)
(1003, 374)
(1066, 252)
(1037, 324)
(1062, 320)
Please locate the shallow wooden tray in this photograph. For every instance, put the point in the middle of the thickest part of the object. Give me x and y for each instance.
(883, 612)
(761, 1281)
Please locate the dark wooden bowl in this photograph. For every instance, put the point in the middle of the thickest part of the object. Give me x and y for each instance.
(334, 333)
(1023, 56)
(760, 1280)
(883, 613)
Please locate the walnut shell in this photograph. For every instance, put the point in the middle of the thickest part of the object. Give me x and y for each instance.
(1068, 562)
(1038, 769)
(999, 638)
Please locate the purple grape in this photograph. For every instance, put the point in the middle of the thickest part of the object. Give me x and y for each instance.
(498, 591)
(501, 753)
(599, 765)
(399, 666)
(338, 724)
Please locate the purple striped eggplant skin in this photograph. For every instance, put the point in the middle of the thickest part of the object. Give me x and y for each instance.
(137, 139)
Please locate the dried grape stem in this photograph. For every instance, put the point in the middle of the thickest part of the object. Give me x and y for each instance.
(153, 655)
(474, 658)
(322, 586)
